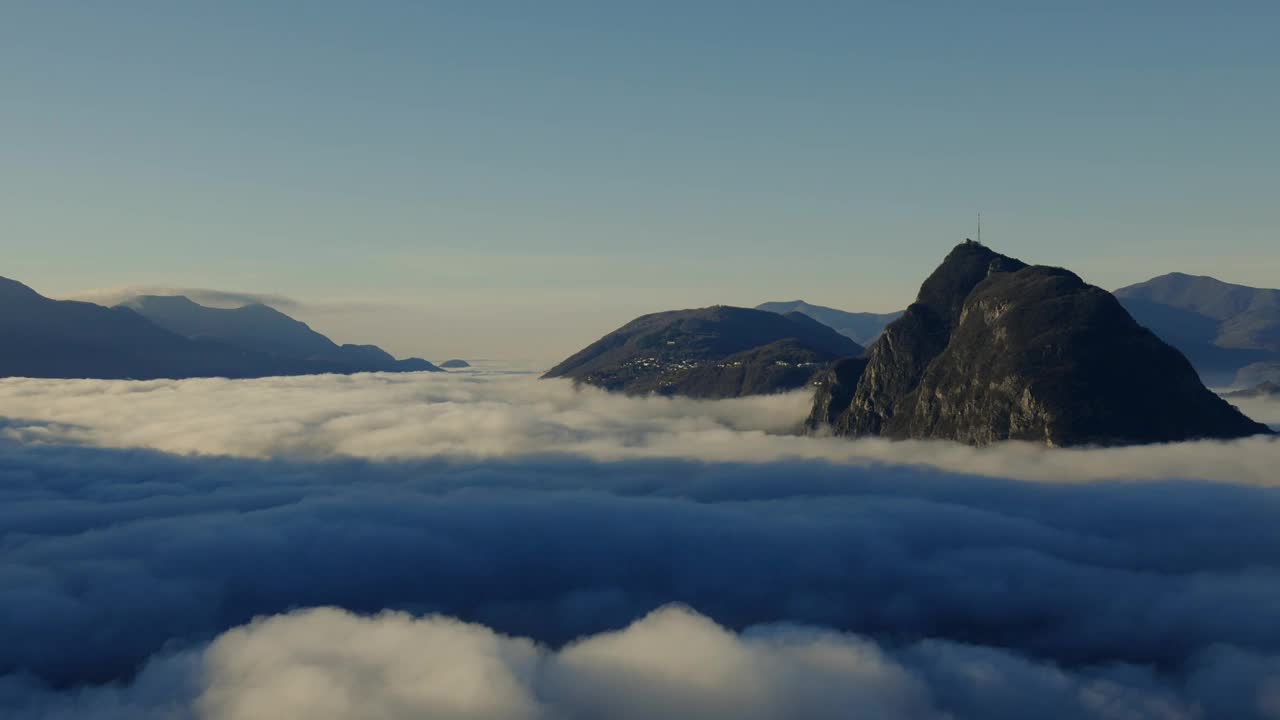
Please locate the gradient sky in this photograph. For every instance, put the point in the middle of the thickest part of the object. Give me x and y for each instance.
(516, 178)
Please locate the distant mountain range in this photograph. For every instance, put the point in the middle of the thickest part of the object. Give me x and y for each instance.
(862, 328)
(168, 337)
(1231, 333)
(265, 330)
(713, 352)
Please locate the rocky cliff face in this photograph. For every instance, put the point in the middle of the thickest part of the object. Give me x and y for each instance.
(995, 350)
(834, 389)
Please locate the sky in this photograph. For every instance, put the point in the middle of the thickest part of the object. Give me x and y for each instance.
(512, 180)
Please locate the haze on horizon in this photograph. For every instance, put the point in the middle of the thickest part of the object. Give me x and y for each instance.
(513, 181)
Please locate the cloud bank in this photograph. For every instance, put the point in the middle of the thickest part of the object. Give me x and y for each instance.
(496, 547)
(327, 664)
(479, 415)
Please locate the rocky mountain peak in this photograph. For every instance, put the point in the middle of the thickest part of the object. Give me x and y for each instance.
(995, 349)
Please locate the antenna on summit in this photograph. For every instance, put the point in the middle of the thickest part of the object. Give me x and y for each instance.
(979, 228)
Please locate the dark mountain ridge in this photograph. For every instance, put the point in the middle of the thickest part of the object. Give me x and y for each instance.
(994, 349)
(41, 337)
(263, 329)
(719, 351)
(256, 326)
(862, 328)
(1221, 327)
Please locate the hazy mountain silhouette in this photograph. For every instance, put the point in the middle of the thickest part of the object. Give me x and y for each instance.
(455, 364)
(1221, 327)
(40, 337)
(710, 352)
(862, 328)
(254, 327)
(51, 338)
(263, 329)
(994, 349)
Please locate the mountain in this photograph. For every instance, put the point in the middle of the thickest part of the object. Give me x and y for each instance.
(1220, 327)
(455, 364)
(255, 327)
(40, 337)
(710, 352)
(263, 329)
(995, 349)
(862, 328)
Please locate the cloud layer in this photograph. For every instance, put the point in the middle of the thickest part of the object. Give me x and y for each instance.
(477, 415)
(493, 547)
(327, 664)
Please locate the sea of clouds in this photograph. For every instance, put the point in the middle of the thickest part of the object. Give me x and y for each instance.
(482, 415)
(485, 546)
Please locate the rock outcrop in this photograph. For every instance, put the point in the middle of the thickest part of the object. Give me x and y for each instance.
(994, 349)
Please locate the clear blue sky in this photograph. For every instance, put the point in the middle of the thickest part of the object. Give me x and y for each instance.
(573, 163)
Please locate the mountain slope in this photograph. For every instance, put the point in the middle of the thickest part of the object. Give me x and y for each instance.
(1221, 327)
(994, 349)
(264, 329)
(255, 327)
(718, 351)
(862, 328)
(40, 337)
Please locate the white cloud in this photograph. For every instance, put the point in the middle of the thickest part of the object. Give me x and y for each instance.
(140, 521)
(1263, 409)
(328, 664)
(476, 415)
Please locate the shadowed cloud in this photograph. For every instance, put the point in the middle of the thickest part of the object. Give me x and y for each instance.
(539, 512)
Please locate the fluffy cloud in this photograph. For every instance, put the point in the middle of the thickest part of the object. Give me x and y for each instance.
(1263, 409)
(143, 527)
(475, 415)
(327, 664)
(110, 556)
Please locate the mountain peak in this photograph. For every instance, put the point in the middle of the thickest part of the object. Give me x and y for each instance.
(160, 301)
(260, 328)
(999, 350)
(717, 351)
(14, 289)
(968, 264)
